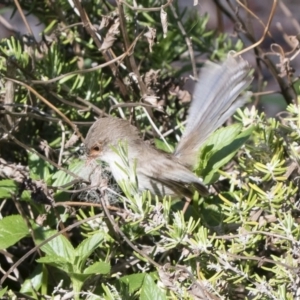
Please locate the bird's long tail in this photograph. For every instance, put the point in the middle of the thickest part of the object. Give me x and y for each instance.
(216, 98)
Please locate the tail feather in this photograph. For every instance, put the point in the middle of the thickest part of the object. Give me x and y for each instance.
(216, 98)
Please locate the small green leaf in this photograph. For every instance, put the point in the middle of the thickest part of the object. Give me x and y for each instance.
(58, 262)
(220, 138)
(3, 291)
(224, 136)
(66, 78)
(87, 246)
(12, 229)
(58, 246)
(61, 178)
(211, 177)
(39, 168)
(226, 142)
(7, 188)
(78, 278)
(133, 281)
(150, 290)
(50, 27)
(99, 267)
(159, 144)
(33, 281)
(26, 196)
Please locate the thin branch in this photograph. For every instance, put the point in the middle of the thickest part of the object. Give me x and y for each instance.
(23, 18)
(133, 64)
(62, 144)
(90, 29)
(266, 30)
(64, 117)
(187, 40)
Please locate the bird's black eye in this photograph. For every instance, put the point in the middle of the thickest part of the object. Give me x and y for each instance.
(96, 148)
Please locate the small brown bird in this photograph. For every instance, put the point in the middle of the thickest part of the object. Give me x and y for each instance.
(216, 98)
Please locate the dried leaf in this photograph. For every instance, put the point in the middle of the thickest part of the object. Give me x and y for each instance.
(151, 36)
(176, 89)
(151, 78)
(111, 36)
(284, 66)
(294, 40)
(201, 293)
(45, 147)
(183, 95)
(13, 171)
(73, 139)
(106, 20)
(151, 99)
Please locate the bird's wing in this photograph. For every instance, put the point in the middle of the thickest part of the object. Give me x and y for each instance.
(166, 176)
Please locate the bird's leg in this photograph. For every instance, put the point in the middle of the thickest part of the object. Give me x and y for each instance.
(186, 205)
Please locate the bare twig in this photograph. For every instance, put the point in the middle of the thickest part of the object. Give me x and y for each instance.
(187, 40)
(266, 30)
(64, 117)
(156, 129)
(62, 144)
(23, 18)
(131, 58)
(107, 55)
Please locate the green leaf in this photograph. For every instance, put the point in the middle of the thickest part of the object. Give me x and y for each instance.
(39, 168)
(66, 78)
(61, 178)
(150, 290)
(211, 177)
(7, 188)
(58, 262)
(133, 281)
(220, 149)
(87, 246)
(12, 229)
(159, 144)
(26, 196)
(78, 278)
(3, 291)
(33, 282)
(99, 267)
(59, 246)
(77, 281)
(50, 27)
(224, 136)
(215, 142)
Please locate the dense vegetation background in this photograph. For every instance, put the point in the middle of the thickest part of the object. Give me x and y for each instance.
(68, 232)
